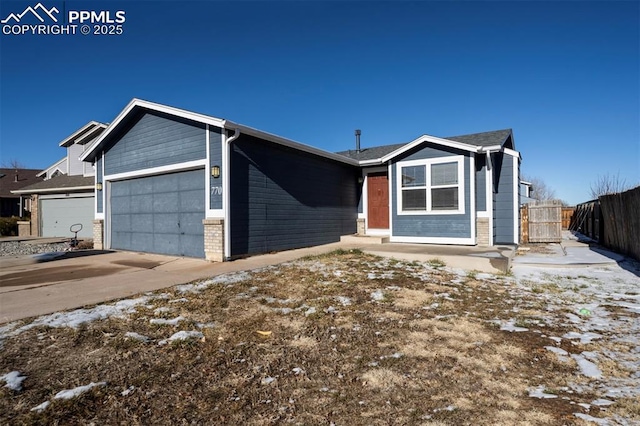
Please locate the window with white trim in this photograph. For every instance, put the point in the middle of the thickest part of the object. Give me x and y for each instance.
(432, 186)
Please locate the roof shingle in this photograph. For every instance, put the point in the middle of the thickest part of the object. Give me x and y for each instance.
(62, 182)
(496, 137)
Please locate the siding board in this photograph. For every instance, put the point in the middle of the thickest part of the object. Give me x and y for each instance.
(284, 199)
(154, 140)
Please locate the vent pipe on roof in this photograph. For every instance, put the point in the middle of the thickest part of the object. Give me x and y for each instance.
(358, 140)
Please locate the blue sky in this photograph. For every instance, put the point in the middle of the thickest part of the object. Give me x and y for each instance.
(565, 76)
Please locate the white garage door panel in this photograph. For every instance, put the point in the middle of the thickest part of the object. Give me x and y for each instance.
(58, 214)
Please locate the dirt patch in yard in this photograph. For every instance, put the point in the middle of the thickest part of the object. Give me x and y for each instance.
(338, 339)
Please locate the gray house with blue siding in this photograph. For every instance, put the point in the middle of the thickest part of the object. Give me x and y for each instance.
(176, 182)
(454, 190)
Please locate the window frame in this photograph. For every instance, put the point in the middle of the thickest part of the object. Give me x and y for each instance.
(428, 187)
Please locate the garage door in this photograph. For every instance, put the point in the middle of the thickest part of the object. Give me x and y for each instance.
(58, 214)
(159, 214)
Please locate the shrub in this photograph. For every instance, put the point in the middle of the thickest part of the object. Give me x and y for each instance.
(9, 226)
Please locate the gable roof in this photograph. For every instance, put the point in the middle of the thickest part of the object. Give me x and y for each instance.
(84, 134)
(61, 184)
(9, 183)
(473, 142)
(139, 104)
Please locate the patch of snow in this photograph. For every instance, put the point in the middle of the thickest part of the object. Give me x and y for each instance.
(298, 370)
(589, 418)
(40, 408)
(77, 317)
(225, 279)
(558, 351)
(539, 392)
(267, 380)
(585, 338)
(163, 321)
(588, 368)
(205, 325)
(510, 326)
(128, 391)
(602, 402)
(136, 336)
(13, 380)
(181, 300)
(161, 310)
(72, 393)
(377, 295)
(310, 311)
(182, 335)
(344, 301)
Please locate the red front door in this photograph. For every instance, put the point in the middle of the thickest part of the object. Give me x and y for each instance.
(378, 200)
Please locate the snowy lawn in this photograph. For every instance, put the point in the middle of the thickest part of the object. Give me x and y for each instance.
(344, 338)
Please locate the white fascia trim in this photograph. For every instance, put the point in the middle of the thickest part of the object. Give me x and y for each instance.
(489, 201)
(516, 201)
(472, 195)
(189, 165)
(230, 125)
(365, 196)
(207, 174)
(226, 188)
(51, 167)
(512, 152)
(67, 141)
(90, 135)
(390, 179)
(428, 162)
(433, 240)
(431, 139)
(65, 196)
(201, 118)
(52, 190)
(492, 148)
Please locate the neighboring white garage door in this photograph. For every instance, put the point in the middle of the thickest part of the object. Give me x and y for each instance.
(58, 214)
(159, 214)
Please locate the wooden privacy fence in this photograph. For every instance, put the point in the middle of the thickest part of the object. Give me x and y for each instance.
(587, 219)
(567, 214)
(612, 220)
(621, 222)
(541, 222)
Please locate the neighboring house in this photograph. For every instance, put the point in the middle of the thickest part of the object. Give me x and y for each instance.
(66, 196)
(11, 180)
(526, 192)
(176, 182)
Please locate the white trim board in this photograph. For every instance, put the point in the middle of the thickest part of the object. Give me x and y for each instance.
(172, 168)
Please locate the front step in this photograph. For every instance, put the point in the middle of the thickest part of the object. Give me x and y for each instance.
(364, 239)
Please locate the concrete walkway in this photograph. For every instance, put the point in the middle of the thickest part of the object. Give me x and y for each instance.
(43, 284)
(571, 251)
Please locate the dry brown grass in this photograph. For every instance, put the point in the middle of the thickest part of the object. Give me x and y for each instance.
(354, 360)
